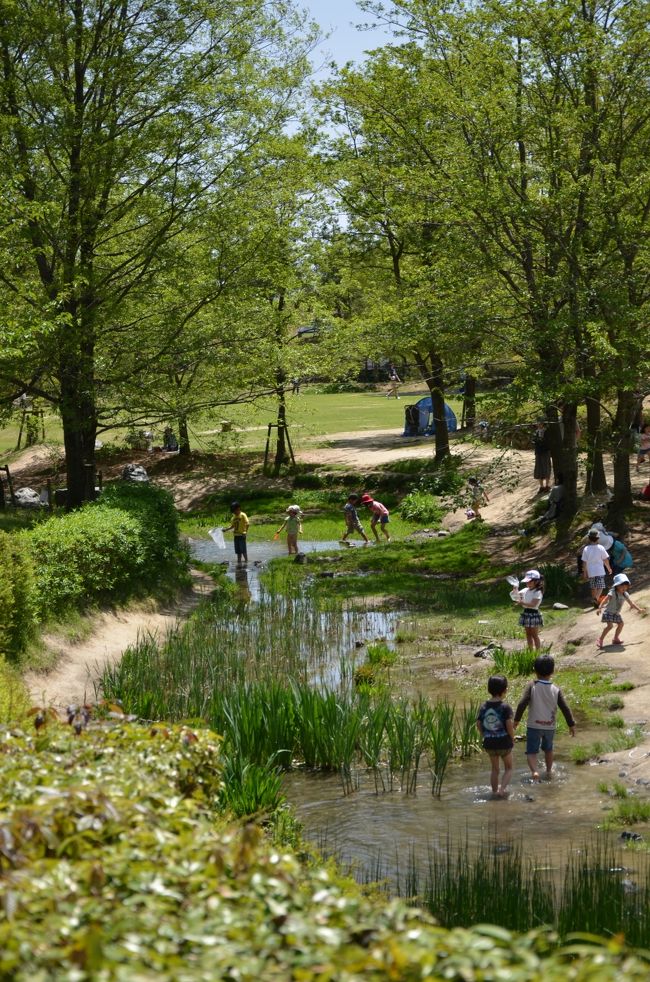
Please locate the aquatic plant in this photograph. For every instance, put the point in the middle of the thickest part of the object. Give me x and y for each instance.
(442, 740)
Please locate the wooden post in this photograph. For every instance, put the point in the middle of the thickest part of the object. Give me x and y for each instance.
(50, 498)
(11, 485)
(286, 433)
(266, 449)
(2, 495)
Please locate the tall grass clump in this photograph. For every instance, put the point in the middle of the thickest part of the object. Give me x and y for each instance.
(511, 663)
(442, 741)
(498, 882)
(559, 584)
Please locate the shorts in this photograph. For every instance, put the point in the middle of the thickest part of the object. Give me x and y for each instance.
(351, 526)
(535, 737)
(597, 582)
(503, 752)
(531, 618)
(240, 546)
(643, 452)
(611, 618)
(382, 519)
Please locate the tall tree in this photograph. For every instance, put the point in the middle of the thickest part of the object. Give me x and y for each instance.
(117, 118)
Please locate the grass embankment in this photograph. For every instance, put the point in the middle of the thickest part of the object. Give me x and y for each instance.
(117, 865)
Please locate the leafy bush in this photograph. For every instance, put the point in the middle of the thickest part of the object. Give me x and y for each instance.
(105, 551)
(420, 506)
(154, 509)
(17, 614)
(558, 582)
(89, 555)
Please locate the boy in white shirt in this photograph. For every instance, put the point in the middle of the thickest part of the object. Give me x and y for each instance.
(595, 562)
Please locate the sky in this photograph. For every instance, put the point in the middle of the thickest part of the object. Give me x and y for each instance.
(338, 19)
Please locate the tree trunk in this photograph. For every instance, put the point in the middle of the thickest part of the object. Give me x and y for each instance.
(281, 456)
(554, 438)
(623, 440)
(79, 421)
(435, 381)
(596, 481)
(469, 402)
(184, 448)
(569, 461)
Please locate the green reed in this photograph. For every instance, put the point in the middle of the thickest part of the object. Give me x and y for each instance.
(499, 882)
(468, 735)
(442, 741)
(276, 680)
(372, 732)
(511, 663)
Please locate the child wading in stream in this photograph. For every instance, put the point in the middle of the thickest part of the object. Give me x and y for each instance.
(494, 722)
(379, 516)
(239, 526)
(293, 525)
(611, 606)
(542, 699)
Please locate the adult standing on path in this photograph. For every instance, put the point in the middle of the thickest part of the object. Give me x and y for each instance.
(541, 446)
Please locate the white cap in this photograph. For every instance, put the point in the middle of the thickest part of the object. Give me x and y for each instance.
(293, 508)
(532, 574)
(620, 578)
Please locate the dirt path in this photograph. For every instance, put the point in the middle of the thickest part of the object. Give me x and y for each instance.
(79, 666)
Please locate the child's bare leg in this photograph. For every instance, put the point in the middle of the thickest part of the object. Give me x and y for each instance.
(617, 632)
(507, 774)
(373, 529)
(534, 633)
(384, 529)
(494, 773)
(548, 759)
(606, 630)
(530, 637)
(532, 763)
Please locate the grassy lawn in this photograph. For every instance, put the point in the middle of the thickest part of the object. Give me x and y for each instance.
(311, 414)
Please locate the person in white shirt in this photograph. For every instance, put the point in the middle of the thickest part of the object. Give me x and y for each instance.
(595, 563)
(530, 599)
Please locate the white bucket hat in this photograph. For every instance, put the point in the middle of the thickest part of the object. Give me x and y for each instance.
(620, 578)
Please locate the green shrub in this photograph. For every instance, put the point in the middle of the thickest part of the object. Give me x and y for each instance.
(154, 509)
(420, 506)
(106, 551)
(91, 554)
(17, 613)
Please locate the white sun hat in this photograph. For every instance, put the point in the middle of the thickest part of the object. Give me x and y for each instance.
(620, 578)
(532, 574)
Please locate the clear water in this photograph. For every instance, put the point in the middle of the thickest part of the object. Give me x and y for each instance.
(379, 833)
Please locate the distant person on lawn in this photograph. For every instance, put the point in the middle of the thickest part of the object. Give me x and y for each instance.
(394, 381)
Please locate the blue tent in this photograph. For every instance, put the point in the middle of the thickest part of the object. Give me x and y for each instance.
(420, 422)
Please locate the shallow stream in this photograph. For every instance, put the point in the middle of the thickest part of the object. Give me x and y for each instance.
(376, 833)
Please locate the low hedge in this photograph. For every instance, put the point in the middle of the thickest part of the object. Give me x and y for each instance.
(116, 866)
(108, 550)
(115, 547)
